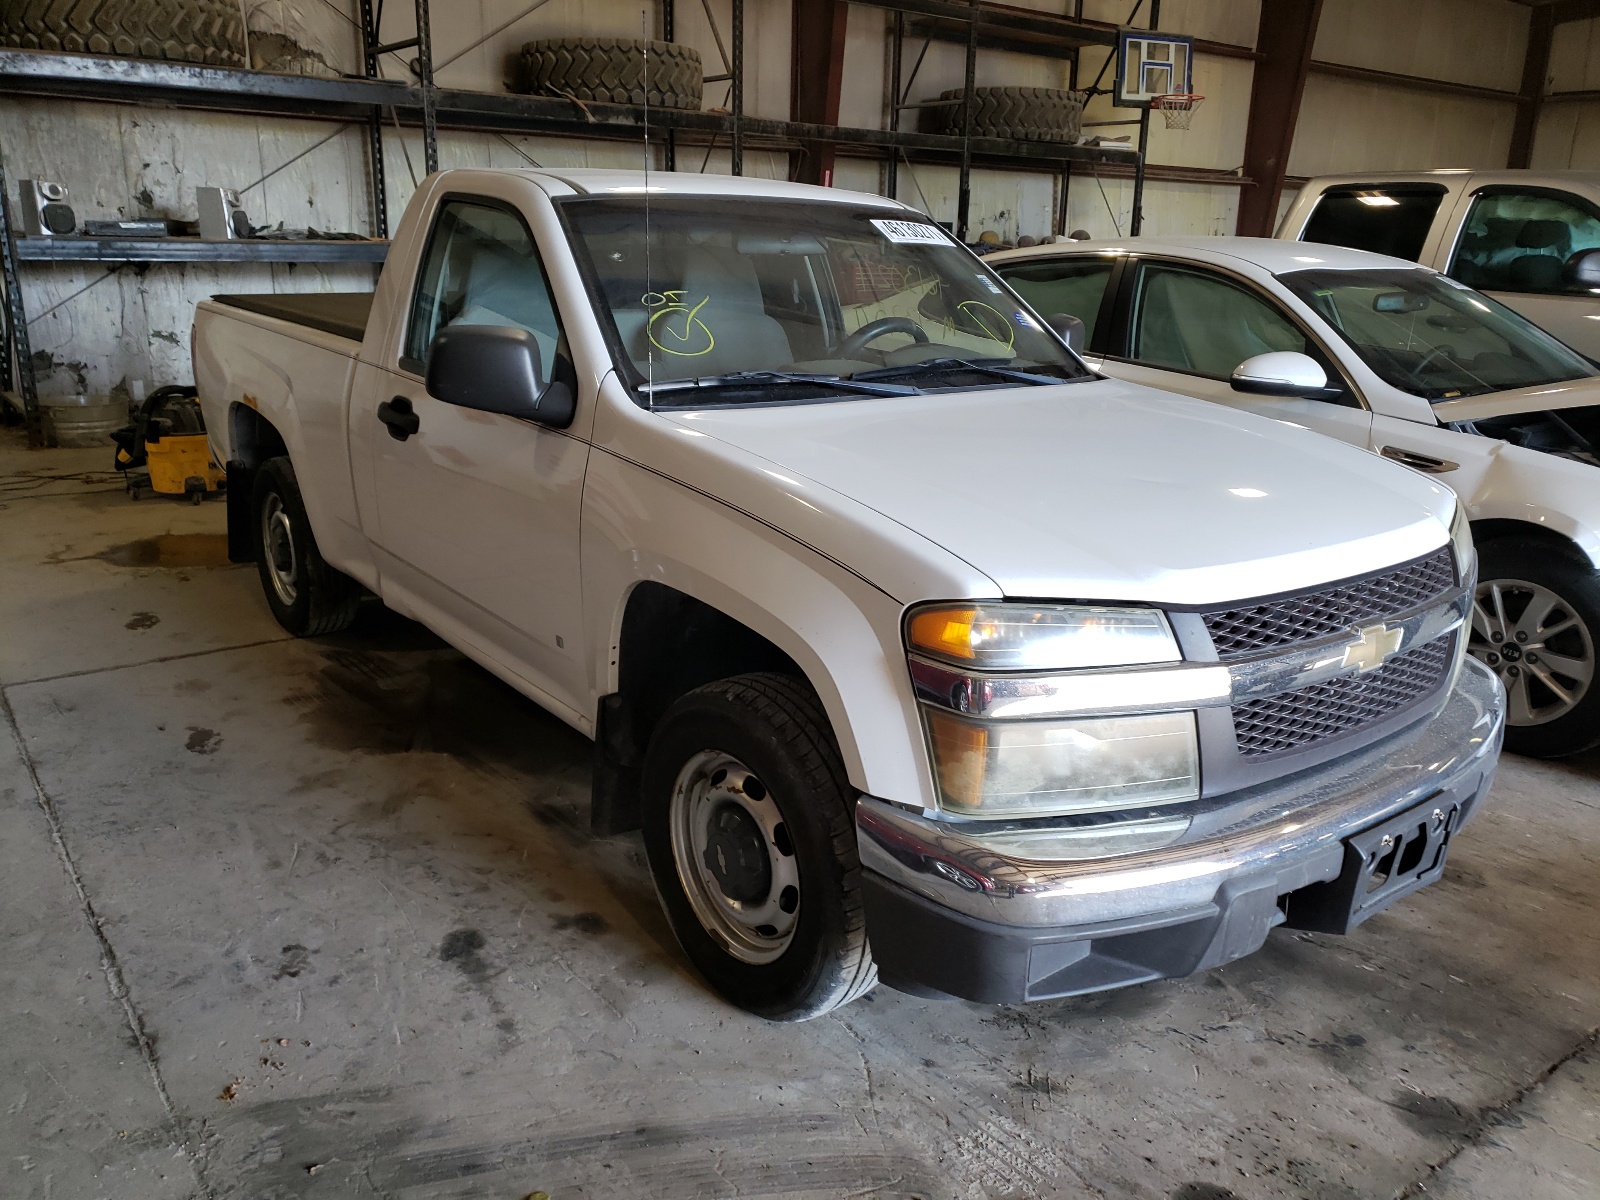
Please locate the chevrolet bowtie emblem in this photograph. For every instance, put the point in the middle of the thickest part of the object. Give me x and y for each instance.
(1377, 644)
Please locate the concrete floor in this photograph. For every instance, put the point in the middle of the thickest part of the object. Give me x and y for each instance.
(321, 919)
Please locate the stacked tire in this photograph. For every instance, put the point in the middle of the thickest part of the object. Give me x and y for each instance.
(1018, 113)
(198, 31)
(611, 71)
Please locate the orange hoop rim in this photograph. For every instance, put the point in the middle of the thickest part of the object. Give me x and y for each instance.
(1176, 101)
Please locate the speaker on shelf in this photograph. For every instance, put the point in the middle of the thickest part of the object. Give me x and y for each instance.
(45, 211)
(222, 216)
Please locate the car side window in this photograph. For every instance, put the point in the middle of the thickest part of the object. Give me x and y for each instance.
(1195, 321)
(1074, 286)
(1391, 219)
(1520, 241)
(481, 268)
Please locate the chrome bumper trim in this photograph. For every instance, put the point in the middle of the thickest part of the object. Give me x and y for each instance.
(1294, 822)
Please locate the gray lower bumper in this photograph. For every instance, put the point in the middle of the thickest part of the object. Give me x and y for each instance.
(949, 913)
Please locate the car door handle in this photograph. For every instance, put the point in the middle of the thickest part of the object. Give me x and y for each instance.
(1420, 462)
(399, 416)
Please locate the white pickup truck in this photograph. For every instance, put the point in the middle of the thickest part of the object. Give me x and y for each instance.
(1529, 239)
(892, 623)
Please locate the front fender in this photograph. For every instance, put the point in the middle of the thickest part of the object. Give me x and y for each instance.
(1544, 491)
(842, 631)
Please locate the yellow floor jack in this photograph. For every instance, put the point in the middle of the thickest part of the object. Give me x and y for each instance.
(165, 448)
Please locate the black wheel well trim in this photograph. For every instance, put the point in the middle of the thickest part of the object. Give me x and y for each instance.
(252, 440)
(670, 643)
(1496, 529)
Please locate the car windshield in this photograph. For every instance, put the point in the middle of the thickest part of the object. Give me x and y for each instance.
(733, 300)
(1429, 335)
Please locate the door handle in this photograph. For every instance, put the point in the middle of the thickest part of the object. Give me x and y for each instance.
(1419, 462)
(399, 416)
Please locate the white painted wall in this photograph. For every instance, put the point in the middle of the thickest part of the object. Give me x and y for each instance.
(1568, 135)
(1355, 125)
(133, 324)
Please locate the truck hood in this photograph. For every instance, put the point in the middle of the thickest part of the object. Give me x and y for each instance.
(1574, 393)
(1101, 490)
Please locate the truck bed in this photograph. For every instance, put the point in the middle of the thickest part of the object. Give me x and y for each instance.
(343, 314)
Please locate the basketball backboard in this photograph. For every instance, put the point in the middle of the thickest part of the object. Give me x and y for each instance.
(1151, 64)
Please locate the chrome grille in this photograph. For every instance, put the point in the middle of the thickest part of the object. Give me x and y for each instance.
(1330, 610)
(1294, 720)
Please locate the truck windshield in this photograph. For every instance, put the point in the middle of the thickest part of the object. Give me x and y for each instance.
(741, 300)
(1429, 335)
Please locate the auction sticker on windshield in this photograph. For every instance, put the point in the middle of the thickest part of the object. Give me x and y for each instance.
(904, 233)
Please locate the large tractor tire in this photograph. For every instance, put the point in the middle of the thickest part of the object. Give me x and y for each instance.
(199, 31)
(611, 71)
(1023, 113)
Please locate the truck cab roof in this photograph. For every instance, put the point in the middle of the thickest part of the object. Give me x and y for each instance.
(593, 181)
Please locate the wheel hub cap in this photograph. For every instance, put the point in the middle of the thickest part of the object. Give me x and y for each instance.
(735, 858)
(277, 541)
(1537, 644)
(736, 854)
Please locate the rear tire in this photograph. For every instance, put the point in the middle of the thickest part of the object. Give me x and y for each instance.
(749, 826)
(1536, 624)
(306, 595)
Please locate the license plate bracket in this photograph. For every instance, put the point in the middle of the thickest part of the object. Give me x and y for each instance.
(1381, 864)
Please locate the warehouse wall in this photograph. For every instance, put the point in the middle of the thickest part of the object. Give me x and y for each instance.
(1358, 125)
(1568, 135)
(95, 328)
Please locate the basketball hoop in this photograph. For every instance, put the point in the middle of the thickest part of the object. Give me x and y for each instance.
(1177, 108)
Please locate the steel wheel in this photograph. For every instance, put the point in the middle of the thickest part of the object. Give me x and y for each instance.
(277, 544)
(734, 856)
(1538, 645)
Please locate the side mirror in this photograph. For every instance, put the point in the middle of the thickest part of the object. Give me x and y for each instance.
(1583, 268)
(1068, 328)
(496, 368)
(1283, 373)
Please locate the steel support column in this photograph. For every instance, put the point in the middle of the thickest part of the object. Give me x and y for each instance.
(430, 127)
(669, 20)
(1530, 96)
(816, 76)
(736, 90)
(1284, 38)
(369, 68)
(969, 81)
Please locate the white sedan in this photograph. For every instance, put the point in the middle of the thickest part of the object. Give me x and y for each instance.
(1401, 360)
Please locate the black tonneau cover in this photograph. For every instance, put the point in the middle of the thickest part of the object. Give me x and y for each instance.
(340, 313)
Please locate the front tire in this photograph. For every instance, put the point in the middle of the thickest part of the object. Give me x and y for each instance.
(1536, 624)
(749, 826)
(306, 595)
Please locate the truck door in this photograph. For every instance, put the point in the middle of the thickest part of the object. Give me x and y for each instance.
(477, 513)
(1515, 244)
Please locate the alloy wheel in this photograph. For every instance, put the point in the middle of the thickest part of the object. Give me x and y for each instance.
(1537, 644)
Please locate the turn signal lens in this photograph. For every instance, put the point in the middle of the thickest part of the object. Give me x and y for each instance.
(1018, 637)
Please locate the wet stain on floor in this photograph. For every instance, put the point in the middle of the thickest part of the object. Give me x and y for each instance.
(171, 550)
(203, 741)
(142, 620)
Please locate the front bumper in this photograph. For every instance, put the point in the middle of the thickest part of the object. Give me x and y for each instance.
(948, 914)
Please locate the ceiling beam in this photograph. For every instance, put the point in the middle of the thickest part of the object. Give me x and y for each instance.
(1530, 96)
(1284, 39)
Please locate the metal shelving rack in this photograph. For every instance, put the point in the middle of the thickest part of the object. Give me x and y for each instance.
(368, 99)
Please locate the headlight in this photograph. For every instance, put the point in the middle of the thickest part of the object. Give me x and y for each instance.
(1461, 542)
(997, 748)
(1054, 768)
(1015, 637)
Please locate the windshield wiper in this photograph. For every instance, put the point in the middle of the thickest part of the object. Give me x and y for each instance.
(967, 364)
(746, 378)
